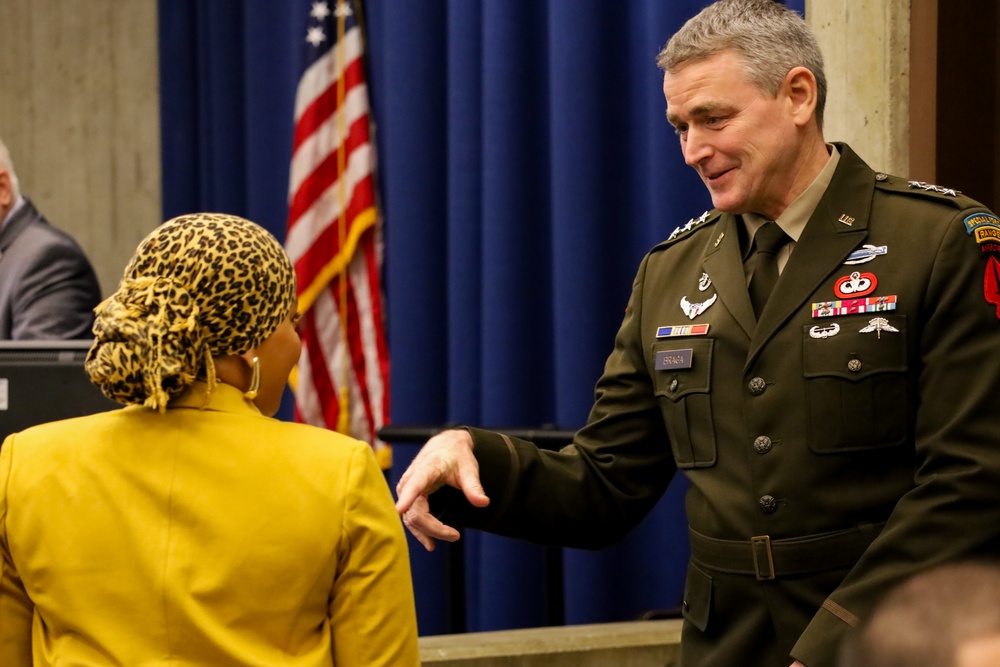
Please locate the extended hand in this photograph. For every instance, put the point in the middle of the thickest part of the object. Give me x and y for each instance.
(446, 459)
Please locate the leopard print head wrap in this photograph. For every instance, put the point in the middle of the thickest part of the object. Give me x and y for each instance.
(200, 285)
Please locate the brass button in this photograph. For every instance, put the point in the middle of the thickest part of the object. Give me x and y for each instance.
(762, 445)
(881, 177)
(757, 386)
(685, 607)
(768, 504)
(673, 384)
(854, 365)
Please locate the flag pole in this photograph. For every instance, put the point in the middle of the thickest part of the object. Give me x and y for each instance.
(343, 416)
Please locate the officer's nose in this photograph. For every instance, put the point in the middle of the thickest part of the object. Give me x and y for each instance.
(695, 146)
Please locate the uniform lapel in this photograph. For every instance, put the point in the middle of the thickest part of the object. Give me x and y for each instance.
(838, 226)
(724, 266)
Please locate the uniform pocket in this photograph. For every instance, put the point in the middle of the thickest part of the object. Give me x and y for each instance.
(856, 384)
(682, 379)
(697, 605)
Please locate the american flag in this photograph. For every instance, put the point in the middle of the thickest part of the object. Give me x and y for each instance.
(334, 236)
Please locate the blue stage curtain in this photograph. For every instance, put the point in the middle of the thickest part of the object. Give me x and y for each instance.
(525, 167)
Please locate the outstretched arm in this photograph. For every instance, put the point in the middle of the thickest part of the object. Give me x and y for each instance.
(445, 460)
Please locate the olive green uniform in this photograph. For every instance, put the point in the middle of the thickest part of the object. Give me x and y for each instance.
(829, 455)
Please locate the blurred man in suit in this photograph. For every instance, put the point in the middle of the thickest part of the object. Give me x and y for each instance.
(48, 289)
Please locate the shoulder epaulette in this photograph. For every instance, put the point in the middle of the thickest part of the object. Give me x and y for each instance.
(902, 186)
(692, 225)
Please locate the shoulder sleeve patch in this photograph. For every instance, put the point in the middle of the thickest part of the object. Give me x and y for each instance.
(985, 228)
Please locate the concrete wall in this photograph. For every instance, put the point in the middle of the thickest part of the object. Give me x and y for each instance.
(866, 50)
(79, 111)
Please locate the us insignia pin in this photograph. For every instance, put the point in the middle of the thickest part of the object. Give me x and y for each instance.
(878, 325)
(688, 226)
(934, 188)
(692, 310)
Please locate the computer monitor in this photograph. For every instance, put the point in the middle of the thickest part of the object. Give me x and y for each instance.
(43, 381)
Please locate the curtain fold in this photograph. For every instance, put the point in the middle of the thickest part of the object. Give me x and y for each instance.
(525, 167)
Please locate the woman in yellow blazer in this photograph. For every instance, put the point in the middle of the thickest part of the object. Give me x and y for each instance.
(191, 528)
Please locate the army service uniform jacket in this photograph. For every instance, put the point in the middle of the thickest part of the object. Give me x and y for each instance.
(844, 441)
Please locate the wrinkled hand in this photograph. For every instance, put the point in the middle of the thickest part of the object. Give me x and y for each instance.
(446, 459)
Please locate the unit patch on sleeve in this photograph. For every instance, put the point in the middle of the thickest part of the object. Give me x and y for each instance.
(991, 283)
(984, 227)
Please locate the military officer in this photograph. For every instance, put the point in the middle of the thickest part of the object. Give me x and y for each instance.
(817, 354)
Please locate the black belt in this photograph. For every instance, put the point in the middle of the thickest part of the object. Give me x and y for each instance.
(767, 559)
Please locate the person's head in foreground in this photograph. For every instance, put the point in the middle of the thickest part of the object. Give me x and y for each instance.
(207, 296)
(948, 616)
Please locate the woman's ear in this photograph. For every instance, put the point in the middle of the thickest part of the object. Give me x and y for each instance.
(253, 361)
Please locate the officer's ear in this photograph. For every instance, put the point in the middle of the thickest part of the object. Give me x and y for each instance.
(802, 94)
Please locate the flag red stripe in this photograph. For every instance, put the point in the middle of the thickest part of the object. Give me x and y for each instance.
(315, 259)
(325, 104)
(326, 172)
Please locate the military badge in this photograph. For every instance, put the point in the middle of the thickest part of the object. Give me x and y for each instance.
(688, 226)
(693, 310)
(866, 253)
(854, 285)
(878, 325)
(824, 332)
(934, 188)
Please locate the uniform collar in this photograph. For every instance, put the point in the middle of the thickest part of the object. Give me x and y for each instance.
(794, 218)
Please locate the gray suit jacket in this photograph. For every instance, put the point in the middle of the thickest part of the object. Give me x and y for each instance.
(48, 289)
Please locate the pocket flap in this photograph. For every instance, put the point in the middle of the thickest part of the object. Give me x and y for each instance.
(697, 604)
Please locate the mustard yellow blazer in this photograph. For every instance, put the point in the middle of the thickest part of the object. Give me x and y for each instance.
(209, 535)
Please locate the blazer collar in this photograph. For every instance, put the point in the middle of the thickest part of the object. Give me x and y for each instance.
(224, 398)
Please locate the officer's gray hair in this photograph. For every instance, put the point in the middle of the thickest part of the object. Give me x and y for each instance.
(769, 39)
(6, 164)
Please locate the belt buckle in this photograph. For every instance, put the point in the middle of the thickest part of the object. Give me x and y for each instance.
(755, 544)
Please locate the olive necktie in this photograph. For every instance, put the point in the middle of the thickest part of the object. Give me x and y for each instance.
(768, 240)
